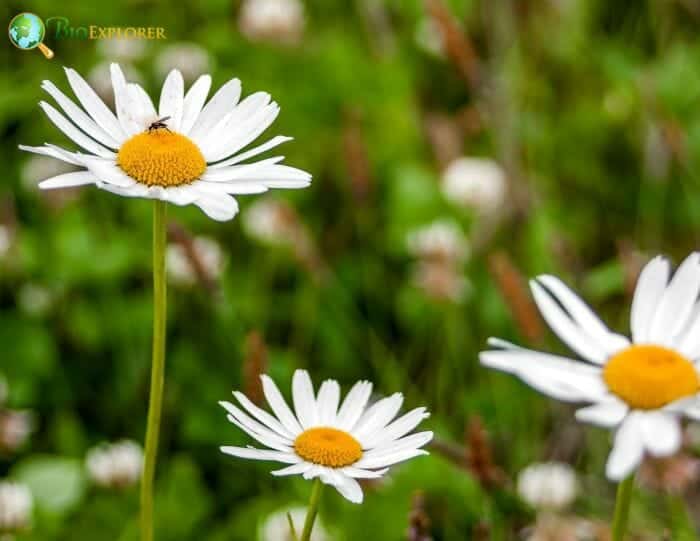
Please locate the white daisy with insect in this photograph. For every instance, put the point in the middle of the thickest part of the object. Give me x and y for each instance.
(642, 386)
(184, 151)
(326, 440)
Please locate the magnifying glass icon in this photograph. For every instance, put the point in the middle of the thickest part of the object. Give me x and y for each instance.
(27, 31)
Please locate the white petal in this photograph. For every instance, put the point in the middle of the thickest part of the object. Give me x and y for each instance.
(260, 454)
(279, 406)
(218, 207)
(608, 414)
(677, 302)
(359, 473)
(221, 103)
(238, 171)
(263, 416)
(377, 417)
(563, 379)
(95, 106)
(194, 101)
(68, 180)
(414, 441)
(135, 190)
(78, 137)
(560, 322)
(272, 143)
(54, 152)
(172, 99)
(256, 430)
(79, 117)
(353, 405)
(390, 459)
(661, 432)
(328, 400)
(349, 489)
(182, 195)
(139, 97)
(628, 449)
(399, 428)
(294, 469)
(127, 108)
(108, 171)
(689, 342)
(650, 288)
(304, 399)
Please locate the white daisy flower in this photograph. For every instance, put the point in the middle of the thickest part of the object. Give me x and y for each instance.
(195, 158)
(321, 440)
(640, 387)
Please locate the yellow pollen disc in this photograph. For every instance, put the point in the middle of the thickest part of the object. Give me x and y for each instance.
(649, 377)
(328, 447)
(161, 158)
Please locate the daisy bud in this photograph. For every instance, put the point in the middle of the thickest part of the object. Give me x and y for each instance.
(189, 58)
(476, 183)
(276, 526)
(280, 21)
(115, 465)
(16, 505)
(548, 486)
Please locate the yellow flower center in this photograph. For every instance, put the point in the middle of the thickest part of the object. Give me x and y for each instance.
(161, 158)
(328, 447)
(649, 377)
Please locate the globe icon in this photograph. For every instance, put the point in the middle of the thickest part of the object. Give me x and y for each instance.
(27, 31)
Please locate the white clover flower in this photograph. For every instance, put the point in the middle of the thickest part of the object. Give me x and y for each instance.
(115, 465)
(642, 387)
(272, 20)
(195, 159)
(188, 58)
(442, 239)
(321, 440)
(180, 267)
(16, 504)
(276, 526)
(477, 183)
(122, 49)
(548, 485)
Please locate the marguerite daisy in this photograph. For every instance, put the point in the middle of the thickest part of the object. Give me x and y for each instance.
(321, 440)
(640, 387)
(191, 157)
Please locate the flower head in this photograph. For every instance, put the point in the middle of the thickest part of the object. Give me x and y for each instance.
(272, 20)
(322, 440)
(193, 156)
(639, 387)
(115, 465)
(549, 485)
(16, 505)
(476, 183)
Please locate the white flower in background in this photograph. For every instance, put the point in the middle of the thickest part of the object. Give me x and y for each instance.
(115, 465)
(16, 504)
(122, 49)
(642, 387)
(276, 526)
(15, 428)
(100, 79)
(270, 221)
(477, 183)
(34, 300)
(188, 58)
(549, 485)
(196, 160)
(321, 440)
(272, 20)
(181, 269)
(442, 239)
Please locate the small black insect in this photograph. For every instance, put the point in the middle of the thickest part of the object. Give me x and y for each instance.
(158, 124)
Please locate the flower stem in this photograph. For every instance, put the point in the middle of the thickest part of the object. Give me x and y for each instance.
(313, 509)
(157, 369)
(682, 526)
(622, 508)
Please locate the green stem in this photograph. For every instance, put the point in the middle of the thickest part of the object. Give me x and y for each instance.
(313, 509)
(682, 526)
(155, 405)
(622, 508)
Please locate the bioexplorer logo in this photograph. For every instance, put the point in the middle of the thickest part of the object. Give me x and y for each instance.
(27, 31)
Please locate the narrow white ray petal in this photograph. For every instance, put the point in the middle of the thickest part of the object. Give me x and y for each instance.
(272, 143)
(563, 379)
(239, 171)
(108, 171)
(377, 416)
(390, 459)
(414, 441)
(677, 302)
(583, 316)
(569, 332)
(194, 101)
(304, 399)
(79, 117)
(328, 400)
(78, 137)
(256, 430)
(95, 107)
(263, 438)
(607, 414)
(661, 432)
(279, 406)
(220, 207)
(53, 152)
(240, 188)
(124, 103)
(294, 469)
(313, 472)
(223, 101)
(399, 428)
(349, 488)
(68, 180)
(246, 133)
(628, 448)
(182, 195)
(499, 343)
(353, 405)
(263, 416)
(135, 190)
(172, 98)
(688, 343)
(650, 288)
(147, 111)
(359, 473)
(260, 454)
